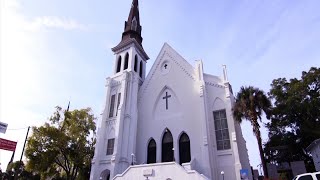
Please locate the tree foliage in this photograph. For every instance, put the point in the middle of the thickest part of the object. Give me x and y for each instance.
(64, 146)
(16, 170)
(295, 120)
(250, 104)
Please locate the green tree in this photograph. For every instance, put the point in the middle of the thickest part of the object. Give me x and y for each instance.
(64, 146)
(250, 104)
(295, 119)
(16, 170)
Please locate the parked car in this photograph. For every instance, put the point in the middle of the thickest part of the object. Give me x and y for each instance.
(308, 176)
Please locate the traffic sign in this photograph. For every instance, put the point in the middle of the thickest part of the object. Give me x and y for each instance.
(3, 127)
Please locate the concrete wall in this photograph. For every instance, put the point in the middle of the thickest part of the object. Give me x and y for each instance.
(164, 171)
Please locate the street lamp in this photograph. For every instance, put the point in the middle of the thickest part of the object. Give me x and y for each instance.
(222, 174)
(132, 159)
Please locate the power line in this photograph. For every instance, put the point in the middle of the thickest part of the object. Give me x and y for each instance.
(17, 129)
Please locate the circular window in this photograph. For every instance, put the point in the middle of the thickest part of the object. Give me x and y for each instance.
(165, 67)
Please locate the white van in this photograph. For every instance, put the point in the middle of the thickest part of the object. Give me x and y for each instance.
(308, 176)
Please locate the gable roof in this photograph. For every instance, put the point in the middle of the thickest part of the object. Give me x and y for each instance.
(177, 59)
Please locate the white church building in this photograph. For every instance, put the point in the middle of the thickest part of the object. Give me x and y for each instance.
(173, 123)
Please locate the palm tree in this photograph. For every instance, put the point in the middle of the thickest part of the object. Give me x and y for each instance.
(250, 104)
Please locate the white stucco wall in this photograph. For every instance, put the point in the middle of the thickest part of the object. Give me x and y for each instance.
(122, 127)
(183, 115)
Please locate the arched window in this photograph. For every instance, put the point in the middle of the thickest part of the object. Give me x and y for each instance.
(119, 64)
(141, 70)
(126, 61)
(105, 175)
(152, 152)
(136, 63)
(167, 147)
(184, 148)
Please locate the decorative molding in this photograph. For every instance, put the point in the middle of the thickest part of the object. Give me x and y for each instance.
(111, 122)
(105, 161)
(224, 153)
(182, 67)
(205, 140)
(233, 137)
(125, 76)
(115, 83)
(113, 158)
(159, 62)
(123, 45)
(122, 49)
(214, 85)
(108, 82)
(127, 116)
(201, 90)
(227, 87)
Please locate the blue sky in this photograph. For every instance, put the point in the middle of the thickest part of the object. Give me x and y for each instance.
(54, 51)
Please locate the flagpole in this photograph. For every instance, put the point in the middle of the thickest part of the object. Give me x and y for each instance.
(20, 162)
(11, 160)
(24, 145)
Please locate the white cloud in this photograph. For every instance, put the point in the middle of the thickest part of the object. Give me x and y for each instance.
(57, 22)
(24, 49)
(11, 17)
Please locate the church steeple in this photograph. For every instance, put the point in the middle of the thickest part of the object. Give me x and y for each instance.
(132, 27)
(132, 31)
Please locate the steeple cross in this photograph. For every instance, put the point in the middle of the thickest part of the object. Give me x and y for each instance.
(166, 98)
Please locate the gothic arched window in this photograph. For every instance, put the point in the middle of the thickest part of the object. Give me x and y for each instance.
(119, 64)
(184, 148)
(126, 61)
(167, 147)
(141, 70)
(105, 175)
(152, 152)
(136, 63)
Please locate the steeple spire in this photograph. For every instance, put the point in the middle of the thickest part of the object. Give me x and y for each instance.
(132, 30)
(132, 27)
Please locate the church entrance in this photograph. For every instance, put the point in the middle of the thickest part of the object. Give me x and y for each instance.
(167, 147)
(105, 175)
(152, 152)
(184, 148)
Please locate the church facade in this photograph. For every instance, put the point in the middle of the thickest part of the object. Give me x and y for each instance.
(174, 117)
